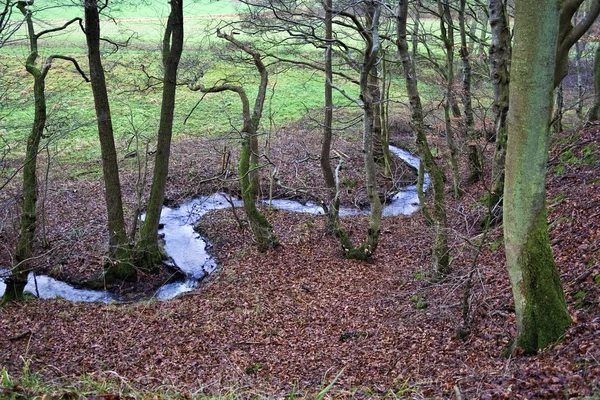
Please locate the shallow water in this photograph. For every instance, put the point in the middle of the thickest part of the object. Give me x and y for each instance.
(44, 287)
(188, 250)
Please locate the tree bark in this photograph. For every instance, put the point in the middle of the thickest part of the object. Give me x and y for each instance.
(369, 66)
(447, 35)
(569, 34)
(149, 254)
(595, 110)
(475, 161)
(16, 281)
(119, 265)
(260, 226)
(540, 307)
(500, 53)
(333, 221)
(440, 253)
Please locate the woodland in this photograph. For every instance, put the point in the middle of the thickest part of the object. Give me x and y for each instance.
(391, 199)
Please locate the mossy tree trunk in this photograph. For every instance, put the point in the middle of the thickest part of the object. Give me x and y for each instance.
(540, 307)
(440, 252)
(148, 251)
(16, 281)
(370, 35)
(500, 52)
(248, 165)
(119, 266)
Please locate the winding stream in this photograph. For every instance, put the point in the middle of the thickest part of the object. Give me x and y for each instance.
(188, 250)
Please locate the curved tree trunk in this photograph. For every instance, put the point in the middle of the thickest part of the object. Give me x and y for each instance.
(440, 253)
(119, 265)
(261, 228)
(148, 252)
(540, 306)
(15, 283)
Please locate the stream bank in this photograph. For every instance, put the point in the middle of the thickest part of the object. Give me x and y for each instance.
(189, 251)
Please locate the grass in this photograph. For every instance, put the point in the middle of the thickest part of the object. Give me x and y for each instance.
(294, 91)
(109, 385)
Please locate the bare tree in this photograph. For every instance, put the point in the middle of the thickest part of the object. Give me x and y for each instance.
(17, 280)
(119, 264)
(441, 259)
(248, 164)
(148, 252)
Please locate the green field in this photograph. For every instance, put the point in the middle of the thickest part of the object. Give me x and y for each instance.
(135, 106)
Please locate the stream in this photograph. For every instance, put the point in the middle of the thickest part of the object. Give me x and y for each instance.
(188, 250)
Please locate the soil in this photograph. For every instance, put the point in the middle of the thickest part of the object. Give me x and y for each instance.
(300, 314)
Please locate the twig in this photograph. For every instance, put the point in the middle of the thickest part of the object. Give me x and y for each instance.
(28, 332)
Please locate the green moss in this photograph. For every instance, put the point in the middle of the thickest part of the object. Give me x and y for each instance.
(545, 317)
(580, 295)
(597, 279)
(253, 369)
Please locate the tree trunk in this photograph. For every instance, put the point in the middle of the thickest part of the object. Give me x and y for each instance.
(440, 254)
(119, 265)
(261, 228)
(500, 52)
(384, 117)
(15, 283)
(475, 161)
(149, 254)
(333, 220)
(368, 67)
(375, 93)
(415, 32)
(595, 110)
(559, 105)
(579, 48)
(447, 35)
(540, 307)
(569, 34)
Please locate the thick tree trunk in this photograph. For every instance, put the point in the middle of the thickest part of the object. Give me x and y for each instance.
(119, 265)
(500, 52)
(595, 110)
(261, 228)
(440, 254)
(539, 300)
(149, 254)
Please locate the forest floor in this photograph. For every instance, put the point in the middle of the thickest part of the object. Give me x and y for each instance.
(291, 319)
